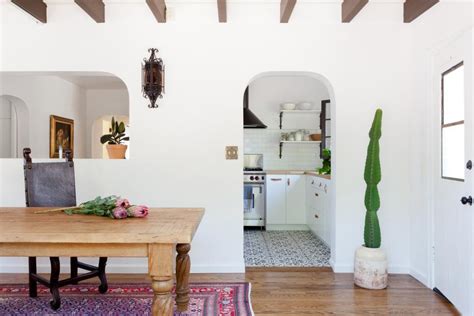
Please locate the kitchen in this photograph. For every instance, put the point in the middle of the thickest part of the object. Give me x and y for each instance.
(287, 141)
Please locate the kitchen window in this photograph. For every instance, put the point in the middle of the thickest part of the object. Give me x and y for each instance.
(452, 123)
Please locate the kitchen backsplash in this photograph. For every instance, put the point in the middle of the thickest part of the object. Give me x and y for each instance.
(295, 156)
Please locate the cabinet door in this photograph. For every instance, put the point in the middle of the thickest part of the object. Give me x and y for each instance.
(276, 199)
(295, 200)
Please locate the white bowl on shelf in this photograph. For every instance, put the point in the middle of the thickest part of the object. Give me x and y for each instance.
(305, 106)
(288, 106)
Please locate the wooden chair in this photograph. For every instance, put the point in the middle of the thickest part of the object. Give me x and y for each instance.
(53, 184)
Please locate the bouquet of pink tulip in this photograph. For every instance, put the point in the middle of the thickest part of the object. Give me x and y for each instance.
(111, 206)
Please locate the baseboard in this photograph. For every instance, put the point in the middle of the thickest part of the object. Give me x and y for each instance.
(420, 277)
(128, 269)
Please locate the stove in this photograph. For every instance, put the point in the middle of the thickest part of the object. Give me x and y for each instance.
(254, 176)
(254, 191)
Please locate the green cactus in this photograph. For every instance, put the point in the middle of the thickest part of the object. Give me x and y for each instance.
(372, 176)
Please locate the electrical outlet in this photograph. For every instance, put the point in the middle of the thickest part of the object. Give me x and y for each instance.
(231, 152)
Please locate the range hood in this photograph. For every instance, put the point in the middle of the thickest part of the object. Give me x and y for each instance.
(250, 119)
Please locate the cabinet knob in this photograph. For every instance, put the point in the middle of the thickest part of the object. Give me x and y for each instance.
(316, 194)
(316, 215)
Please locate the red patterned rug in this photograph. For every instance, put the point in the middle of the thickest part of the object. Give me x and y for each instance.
(231, 299)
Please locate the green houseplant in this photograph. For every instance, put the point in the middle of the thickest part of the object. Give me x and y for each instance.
(326, 168)
(115, 146)
(370, 266)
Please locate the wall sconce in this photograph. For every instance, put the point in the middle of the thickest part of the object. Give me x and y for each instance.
(153, 78)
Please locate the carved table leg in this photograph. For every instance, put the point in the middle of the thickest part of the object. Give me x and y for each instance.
(183, 265)
(160, 268)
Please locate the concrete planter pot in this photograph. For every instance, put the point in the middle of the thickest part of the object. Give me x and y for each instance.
(370, 268)
(116, 151)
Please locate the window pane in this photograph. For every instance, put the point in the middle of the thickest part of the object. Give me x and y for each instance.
(453, 96)
(453, 152)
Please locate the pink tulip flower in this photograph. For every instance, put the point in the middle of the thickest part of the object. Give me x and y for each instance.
(120, 212)
(138, 211)
(122, 203)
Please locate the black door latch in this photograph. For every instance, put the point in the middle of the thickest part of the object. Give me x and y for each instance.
(466, 200)
(469, 165)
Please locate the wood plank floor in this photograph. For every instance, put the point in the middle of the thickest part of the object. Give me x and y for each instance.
(315, 292)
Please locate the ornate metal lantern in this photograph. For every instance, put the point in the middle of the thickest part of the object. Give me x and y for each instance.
(153, 78)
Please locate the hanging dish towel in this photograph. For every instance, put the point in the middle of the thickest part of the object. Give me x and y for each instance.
(248, 198)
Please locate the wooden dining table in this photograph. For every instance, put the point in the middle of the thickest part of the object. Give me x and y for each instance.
(26, 233)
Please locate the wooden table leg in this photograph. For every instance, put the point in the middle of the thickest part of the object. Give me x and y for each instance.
(183, 266)
(160, 268)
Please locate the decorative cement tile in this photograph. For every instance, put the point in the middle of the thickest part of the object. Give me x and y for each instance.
(284, 249)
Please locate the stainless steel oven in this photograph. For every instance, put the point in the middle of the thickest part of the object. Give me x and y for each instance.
(254, 191)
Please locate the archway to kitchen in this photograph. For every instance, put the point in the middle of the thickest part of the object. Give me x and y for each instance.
(288, 200)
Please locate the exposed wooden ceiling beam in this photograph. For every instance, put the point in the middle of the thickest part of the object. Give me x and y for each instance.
(222, 10)
(36, 8)
(414, 8)
(286, 8)
(158, 7)
(95, 8)
(350, 8)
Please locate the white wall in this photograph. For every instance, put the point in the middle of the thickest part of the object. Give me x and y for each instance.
(178, 149)
(266, 93)
(45, 96)
(102, 102)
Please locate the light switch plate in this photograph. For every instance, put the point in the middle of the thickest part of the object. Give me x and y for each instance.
(231, 152)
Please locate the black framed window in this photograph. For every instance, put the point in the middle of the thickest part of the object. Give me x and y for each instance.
(452, 123)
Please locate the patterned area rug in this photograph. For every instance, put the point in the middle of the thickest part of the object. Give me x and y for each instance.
(125, 299)
(284, 249)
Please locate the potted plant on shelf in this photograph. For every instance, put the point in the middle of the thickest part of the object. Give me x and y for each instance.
(370, 264)
(115, 147)
(326, 168)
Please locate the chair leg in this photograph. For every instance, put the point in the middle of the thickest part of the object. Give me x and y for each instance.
(54, 283)
(32, 270)
(103, 287)
(74, 268)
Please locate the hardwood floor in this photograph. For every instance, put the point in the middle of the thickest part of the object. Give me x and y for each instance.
(315, 292)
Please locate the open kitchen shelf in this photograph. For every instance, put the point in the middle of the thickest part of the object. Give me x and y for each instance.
(322, 121)
(296, 112)
(296, 142)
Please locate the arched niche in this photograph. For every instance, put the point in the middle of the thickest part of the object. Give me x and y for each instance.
(14, 126)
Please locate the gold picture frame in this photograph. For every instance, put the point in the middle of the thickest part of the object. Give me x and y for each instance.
(61, 132)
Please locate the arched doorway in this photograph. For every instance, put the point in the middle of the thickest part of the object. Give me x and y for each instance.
(293, 129)
(14, 126)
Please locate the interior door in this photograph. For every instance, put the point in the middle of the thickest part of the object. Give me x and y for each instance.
(453, 212)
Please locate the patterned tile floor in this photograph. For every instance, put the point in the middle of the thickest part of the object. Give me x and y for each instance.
(284, 249)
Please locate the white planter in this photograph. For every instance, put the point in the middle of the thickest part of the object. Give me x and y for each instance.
(370, 268)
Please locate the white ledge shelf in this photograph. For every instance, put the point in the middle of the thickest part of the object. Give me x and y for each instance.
(300, 141)
(300, 111)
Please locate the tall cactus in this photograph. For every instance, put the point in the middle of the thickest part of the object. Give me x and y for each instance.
(372, 176)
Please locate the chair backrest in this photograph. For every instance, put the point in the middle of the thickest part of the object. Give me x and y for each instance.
(49, 183)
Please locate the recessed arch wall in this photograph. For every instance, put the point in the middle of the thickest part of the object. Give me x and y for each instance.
(19, 124)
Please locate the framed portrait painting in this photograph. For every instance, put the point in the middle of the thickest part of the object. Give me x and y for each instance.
(61, 136)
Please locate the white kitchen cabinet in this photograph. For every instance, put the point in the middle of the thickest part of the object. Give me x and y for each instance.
(286, 201)
(295, 200)
(318, 207)
(276, 200)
